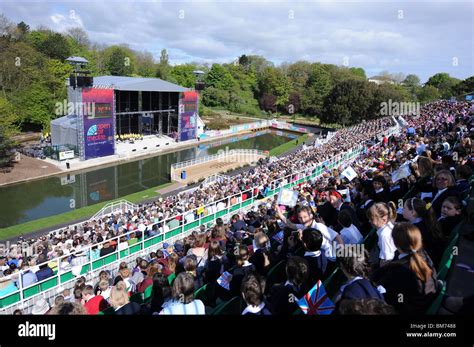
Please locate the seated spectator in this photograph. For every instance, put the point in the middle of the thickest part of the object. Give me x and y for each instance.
(451, 215)
(103, 289)
(354, 264)
(424, 182)
(106, 249)
(199, 251)
(214, 266)
(412, 276)
(119, 300)
(463, 173)
(306, 218)
(173, 261)
(68, 308)
(253, 288)
(445, 186)
(6, 284)
(140, 271)
(44, 271)
(382, 216)
(381, 194)
(350, 234)
(415, 211)
(242, 268)
(367, 306)
(367, 200)
(283, 297)
(28, 277)
(161, 293)
(261, 257)
(237, 223)
(124, 275)
(183, 297)
(41, 307)
(153, 269)
(190, 268)
(317, 262)
(93, 303)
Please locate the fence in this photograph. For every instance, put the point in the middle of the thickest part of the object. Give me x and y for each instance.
(218, 156)
(114, 206)
(168, 230)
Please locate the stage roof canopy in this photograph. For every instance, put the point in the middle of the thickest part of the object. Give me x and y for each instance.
(137, 84)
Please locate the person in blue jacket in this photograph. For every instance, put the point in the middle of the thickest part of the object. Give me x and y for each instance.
(354, 265)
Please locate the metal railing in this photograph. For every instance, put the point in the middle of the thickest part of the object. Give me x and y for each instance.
(167, 230)
(215, 178)
(113, 207)
(221, 155)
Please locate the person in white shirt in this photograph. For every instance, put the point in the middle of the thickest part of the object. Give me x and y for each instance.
(330, 237)
(382, 216)
(349, 233)
(183, 297)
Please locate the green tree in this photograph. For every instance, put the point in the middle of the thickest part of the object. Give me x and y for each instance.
(183, 75)
(55, 46)
(316, 90)
(163, 68)
(444, 83)
(6, 149)
(274, 82)
(358, 71)
(119, 62)
(349, 102)
(464, 87)
(428, 93)
(9, 118)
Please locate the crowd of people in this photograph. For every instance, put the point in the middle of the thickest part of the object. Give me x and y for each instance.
(407, 197)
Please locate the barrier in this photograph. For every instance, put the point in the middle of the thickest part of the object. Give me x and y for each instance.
(64, 278)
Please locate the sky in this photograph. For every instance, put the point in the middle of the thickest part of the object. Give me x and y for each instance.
(421, 37)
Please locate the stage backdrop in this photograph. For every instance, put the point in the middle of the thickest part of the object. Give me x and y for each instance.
(188, 113)
(99, 122)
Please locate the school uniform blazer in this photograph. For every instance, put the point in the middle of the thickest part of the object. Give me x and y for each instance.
(382, 196)
(361, 289)
(398, 279)
(362, 216)
(433, 246)
(317, 268)
(279, 301)
(132, 308)
(438, 202)
(449, 223)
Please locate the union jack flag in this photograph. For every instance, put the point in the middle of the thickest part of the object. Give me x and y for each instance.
(316, 301)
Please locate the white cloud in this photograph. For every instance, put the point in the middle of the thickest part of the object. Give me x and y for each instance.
(369, 33)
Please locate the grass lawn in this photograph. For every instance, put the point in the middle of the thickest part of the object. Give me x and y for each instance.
(80, 213)
(275, 152)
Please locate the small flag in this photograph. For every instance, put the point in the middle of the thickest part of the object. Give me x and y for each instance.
(316, 301)
(278, 237)
(224, 280)
(349, 173)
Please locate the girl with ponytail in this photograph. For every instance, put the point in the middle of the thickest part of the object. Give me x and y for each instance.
(382, 216)
(416, 212)
(242, 268)
(411, 280)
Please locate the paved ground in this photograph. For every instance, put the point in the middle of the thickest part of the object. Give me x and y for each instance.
(28, 168)
(204, 170)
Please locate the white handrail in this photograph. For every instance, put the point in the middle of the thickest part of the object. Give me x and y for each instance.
(208, 158)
